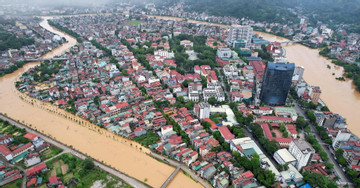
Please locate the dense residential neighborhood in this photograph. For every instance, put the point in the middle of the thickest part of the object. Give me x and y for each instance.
(220, 100)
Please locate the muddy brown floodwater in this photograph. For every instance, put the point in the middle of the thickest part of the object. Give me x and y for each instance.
(340, 96)
(102, 145)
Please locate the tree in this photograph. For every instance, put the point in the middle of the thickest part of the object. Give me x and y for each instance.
(88, 164)
(203, 81)
(325, 108)
(329, 165)
(282, 128)
(300, 122)
(180, 99)
(318, 180)
(212, 101)
(285, 134)
(324, 156)
(311, 116)
(352, 173)
(185, 83)
(97, 100)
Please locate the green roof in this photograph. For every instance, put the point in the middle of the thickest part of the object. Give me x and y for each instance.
(20, 157)
(250, 185)
(248, 152)
(39, 181)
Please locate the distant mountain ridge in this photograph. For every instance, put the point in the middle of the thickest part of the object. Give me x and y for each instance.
(328, 11)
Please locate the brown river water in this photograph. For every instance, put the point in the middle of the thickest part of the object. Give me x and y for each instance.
(340, 96)
(100, 144)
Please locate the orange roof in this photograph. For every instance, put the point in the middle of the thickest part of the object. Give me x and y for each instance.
(30, 136)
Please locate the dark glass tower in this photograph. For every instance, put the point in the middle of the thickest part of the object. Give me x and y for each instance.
(276, 83)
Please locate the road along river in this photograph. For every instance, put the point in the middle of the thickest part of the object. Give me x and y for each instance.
(117, 152)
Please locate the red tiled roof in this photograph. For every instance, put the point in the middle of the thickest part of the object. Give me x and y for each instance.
(4, 150)
(248, 174)
(30, 136)
(226, 133)
(36, 169)
(22, 148)
(31, 182)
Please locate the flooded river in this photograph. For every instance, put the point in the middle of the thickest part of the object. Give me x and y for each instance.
(340, 96)
(102, 145)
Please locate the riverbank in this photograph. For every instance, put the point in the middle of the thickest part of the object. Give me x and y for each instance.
(340, 96)
(118, 153)
(67, 149)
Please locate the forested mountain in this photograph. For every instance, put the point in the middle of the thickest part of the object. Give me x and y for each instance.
(258, 10)
(331, 12)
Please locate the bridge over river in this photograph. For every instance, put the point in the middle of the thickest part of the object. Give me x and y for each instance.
(46, 59)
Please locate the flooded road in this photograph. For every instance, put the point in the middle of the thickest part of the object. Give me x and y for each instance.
(122, 154)
(340, 96)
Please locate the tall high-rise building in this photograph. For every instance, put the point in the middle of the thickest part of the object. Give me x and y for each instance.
(240, 32)
(276, 83)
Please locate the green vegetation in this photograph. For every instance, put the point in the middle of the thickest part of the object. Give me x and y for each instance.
(269, 146)
(50, 152)
(6, 128)
(353, 175)
(147, 139)
(66, 30)
(45, 71)
(135, 22)
(206, 55)
(99, 46)
(15, 66)
(266, 177)
(11, 41)
(318, 180)
(264, 54)
(84, 172)
(218, 137)
(352, 71)
(14, 184)
(258, 10)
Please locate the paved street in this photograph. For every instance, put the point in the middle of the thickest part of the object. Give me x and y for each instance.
(131, 181)
(183, 167)
(338, 171)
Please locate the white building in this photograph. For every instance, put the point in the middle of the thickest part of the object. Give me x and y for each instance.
(302, 151)
(298, 74)
(283, 156)
(194, 91)
(341, 136)
(240, 32)
(217, 92)
(202, 110)
(231, 71)
(224, 53)
(164, 53)
(30, 161)
(187, 44)
(291, 175)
